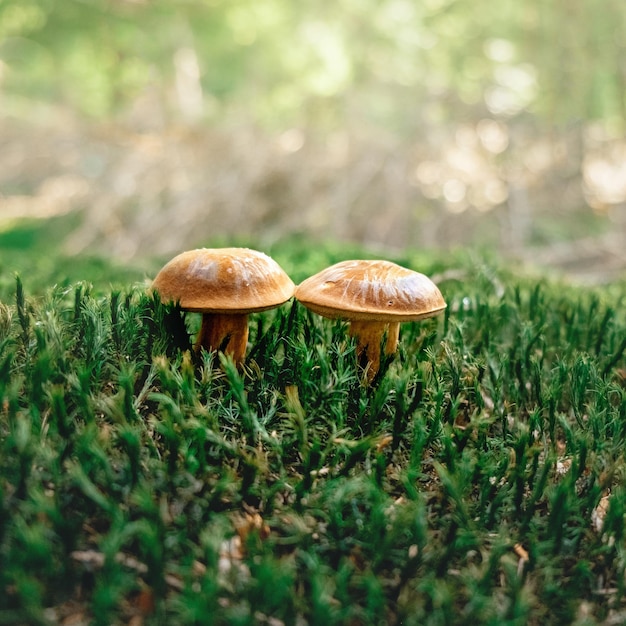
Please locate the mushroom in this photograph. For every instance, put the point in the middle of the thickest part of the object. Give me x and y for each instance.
(225, 285)
(375, 297)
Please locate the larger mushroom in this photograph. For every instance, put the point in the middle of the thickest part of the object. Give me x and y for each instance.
(225, 285)
(375, 296)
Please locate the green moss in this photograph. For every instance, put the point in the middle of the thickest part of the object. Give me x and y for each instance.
(480, 478)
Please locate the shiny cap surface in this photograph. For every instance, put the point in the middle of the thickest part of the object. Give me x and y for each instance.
(223, 280)
(373, 290)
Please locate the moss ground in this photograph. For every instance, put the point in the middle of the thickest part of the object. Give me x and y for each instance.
(479, 479)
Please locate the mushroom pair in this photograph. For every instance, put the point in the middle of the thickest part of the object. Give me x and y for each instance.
(225, 285)
(375, 297)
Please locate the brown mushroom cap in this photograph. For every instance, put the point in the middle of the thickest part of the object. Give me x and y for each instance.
(223, 280)
(371, 291)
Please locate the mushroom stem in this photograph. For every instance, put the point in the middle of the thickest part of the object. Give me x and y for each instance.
(226, 332)
(369, 336)
(393, 334)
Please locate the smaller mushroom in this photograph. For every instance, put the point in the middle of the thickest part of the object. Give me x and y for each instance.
(375, 297)
(225, 285)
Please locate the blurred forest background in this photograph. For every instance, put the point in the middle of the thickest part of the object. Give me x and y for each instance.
(144, 127)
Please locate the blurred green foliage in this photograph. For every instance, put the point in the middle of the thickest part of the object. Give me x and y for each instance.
(399, 61)
(30, 249)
